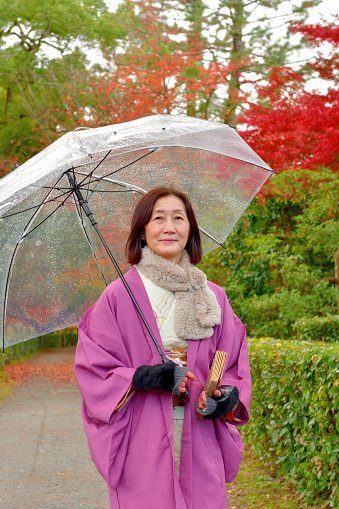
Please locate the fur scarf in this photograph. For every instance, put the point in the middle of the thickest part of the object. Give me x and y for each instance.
(197, 309)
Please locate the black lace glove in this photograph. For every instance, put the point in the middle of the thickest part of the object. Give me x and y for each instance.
(161, 377)
(218, 406)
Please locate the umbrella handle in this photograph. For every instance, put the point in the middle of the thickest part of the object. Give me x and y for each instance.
(84, 204)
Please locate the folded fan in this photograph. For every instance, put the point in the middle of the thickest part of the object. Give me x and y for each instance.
(216, 372)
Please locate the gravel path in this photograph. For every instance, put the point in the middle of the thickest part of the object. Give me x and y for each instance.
(44, 458)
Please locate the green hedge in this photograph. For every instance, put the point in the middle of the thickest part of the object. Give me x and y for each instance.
(21, 351)
(65, 337)
(294, 420)
(318, 328)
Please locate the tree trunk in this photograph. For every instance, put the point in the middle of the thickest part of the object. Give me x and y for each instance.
(8, 100)
(236, 33)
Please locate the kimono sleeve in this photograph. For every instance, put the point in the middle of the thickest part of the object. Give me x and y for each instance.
(104, 374)
(237, 373)
(233, 340)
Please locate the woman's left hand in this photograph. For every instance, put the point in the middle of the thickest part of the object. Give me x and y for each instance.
(202, 398)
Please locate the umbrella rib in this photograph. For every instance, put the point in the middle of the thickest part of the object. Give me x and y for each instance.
(98, 179)
(154, 149)
(89, 175)
(159, 147)
(87, 238)
(29, 222)
(126, 166)
(211, 237)
(131, 187)
(142, 191)
(97, 166)
(49, 215)
(88, 184)
(88, 190)
(36, 206)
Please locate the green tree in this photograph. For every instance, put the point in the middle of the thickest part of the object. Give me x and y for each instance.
(39, 43)
(279, 263)
(242, 34)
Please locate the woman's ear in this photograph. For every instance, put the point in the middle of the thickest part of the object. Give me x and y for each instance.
(143, 235)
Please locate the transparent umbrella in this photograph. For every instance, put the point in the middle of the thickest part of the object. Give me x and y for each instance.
(54, 264)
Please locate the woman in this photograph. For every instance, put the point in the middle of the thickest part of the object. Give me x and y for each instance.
(141, 431)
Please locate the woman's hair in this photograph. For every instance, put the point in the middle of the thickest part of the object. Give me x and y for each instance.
(142, 216)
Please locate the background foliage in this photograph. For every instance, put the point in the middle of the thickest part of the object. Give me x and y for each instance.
(278, 267)
(21, 351)
(318, 328)
(70, 64)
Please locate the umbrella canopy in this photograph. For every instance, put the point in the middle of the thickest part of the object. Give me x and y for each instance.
(52, 265)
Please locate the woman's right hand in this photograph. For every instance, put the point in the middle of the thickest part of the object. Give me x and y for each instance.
(166, 377)
(183, 384)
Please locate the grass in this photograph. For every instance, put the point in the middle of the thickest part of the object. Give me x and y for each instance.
(256, 488)
(6, 385)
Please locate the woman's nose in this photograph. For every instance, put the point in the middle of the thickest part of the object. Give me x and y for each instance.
(169, 226)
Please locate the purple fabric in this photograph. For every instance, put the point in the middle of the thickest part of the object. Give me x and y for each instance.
(133, 448)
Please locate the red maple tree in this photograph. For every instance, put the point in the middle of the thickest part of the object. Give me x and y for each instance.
(290, 127)
(7, 165)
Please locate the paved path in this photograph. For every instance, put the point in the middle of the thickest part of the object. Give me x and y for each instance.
(44, 458)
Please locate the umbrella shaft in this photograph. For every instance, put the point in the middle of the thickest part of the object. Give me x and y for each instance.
(89, 214)
(82, 201)
(117, 268)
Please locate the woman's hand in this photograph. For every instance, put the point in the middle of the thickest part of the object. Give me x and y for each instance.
(224, 399)
(183, 383)
(202, 398)
(166, 377)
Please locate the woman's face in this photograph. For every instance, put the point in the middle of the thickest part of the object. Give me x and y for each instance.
(168, 229)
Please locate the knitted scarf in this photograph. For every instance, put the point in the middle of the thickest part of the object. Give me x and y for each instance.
(197, 309)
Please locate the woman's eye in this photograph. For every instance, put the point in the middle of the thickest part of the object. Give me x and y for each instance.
(179, 217)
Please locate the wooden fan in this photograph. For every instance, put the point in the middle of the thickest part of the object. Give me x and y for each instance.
(216, 372)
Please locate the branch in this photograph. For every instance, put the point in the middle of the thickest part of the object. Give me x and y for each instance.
(329, 279)
(54, 46)
(267, 29)
(207, 103)
(270, 18)
(8, 31)
(250, 3)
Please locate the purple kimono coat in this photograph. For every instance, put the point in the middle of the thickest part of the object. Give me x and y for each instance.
(133, 448)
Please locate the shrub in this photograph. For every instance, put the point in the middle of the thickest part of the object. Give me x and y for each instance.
(57, 339)
(318, 328)
(294, 418)
(65, 337)
(278, 264)
(21, 350)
